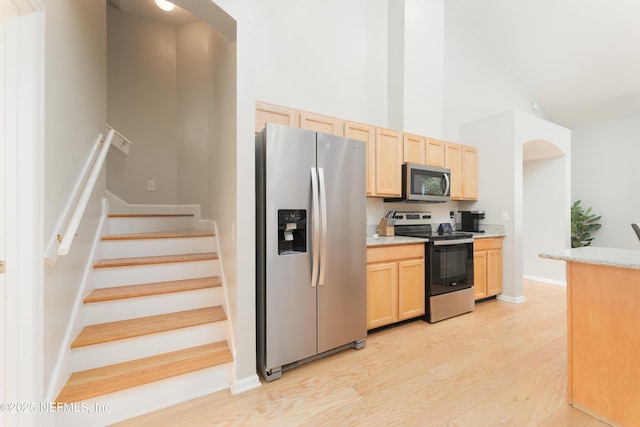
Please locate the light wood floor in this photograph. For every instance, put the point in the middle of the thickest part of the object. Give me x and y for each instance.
(502, 365)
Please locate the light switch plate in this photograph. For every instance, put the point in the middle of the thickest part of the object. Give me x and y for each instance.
(505, 215)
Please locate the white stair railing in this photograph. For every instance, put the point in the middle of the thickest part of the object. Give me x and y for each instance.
(66, 239)
(121, 142)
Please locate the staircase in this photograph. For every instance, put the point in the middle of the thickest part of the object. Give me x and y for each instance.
(156, 329)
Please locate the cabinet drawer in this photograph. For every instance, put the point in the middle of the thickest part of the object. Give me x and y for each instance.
(386, 253)
(487, 244)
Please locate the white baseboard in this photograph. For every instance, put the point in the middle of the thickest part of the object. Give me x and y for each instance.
(117, 205)
(545, 280)
(245, 384)
(512, 300)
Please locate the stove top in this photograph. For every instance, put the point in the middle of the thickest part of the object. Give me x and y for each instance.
(418, 224)
(431, 234)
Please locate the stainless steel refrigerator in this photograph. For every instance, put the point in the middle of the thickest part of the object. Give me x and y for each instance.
(311, 246)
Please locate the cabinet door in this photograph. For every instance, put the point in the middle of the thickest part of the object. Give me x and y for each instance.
(434, 152)
(319, 123)
(388, 162)
(480, 274)
(494, 272)
(410, 288)
(414, 148)
(382, 294)
(469, 173)
(453, 161)
(367, 134)
(269, 113)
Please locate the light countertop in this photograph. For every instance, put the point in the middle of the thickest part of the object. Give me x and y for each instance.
(488, 235)
(623, 258)
(405, 240)
(395, 240)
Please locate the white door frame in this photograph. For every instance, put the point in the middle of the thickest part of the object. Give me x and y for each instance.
(21, 200)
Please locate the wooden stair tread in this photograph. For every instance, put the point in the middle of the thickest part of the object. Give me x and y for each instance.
(164, 259)
(172, 234)
(130, 328)
(147, 215)
(147, 289)
(109, 379)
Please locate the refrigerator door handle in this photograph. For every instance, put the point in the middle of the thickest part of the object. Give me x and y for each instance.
(323, 207)
(315, 213)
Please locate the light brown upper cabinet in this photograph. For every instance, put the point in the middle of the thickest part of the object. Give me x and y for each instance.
(269, 113)
(388, 163)
(434, 152)
(453, 161)
(463, 162)
(387, 150)
(367, 134)
(469, 173)
(320, 123)
(414, 148)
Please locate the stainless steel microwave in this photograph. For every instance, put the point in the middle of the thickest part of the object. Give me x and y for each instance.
(422, 183)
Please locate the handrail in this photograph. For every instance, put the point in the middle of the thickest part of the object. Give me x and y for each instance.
(126, 142)
(74, 223)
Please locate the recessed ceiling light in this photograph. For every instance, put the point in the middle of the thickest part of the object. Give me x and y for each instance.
(164, 5)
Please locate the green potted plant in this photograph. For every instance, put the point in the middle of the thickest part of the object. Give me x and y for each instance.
(582, 224)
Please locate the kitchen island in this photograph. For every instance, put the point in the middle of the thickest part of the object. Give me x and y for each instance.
(603, 305)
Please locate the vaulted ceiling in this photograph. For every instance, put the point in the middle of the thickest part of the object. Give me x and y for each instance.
(579, 58)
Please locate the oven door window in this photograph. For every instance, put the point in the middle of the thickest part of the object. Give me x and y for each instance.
(451, 268)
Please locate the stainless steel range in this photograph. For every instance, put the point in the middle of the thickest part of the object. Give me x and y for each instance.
(449, 272)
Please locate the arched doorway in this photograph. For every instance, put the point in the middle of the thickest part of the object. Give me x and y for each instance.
(544, 209)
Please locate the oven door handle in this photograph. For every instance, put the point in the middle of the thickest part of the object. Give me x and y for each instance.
(452, 242)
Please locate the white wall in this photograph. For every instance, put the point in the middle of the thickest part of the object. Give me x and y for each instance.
(237, 221)
(224, 165)
(423, 67)
(476, 84)
(500, 140)
(234, 193)
(75, 113)
(327, 57)
(142, 106)
(544, 218)
(606, 177)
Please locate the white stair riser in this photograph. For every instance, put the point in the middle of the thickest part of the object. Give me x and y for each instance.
(157, 247)
(144, 399)
(109, 353)
(129, 225)
(137, 275)
(127, 308)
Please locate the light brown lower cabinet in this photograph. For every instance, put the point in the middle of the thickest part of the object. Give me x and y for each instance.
(395, 284)
(487, 267)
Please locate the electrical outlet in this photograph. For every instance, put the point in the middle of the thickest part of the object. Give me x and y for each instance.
(452, 214)
(505, 215)
(151, 185)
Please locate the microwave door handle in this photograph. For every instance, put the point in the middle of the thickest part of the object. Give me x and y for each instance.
(447, 184)
(315, 214)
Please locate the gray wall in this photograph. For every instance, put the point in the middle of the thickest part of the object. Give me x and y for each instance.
(606, 177)
(141, 101)
(75, 113)
(195, 110)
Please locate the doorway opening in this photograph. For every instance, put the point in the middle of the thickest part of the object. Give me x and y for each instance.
(544, 209)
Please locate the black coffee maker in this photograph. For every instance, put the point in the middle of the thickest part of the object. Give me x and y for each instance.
(470, 220)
